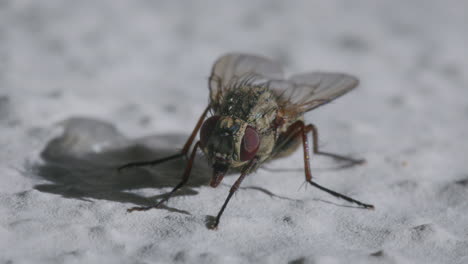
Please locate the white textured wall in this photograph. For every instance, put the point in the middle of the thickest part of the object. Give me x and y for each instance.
(142, 66)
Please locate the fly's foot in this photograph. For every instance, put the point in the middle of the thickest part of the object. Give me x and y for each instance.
(211, 222)
(213, 227)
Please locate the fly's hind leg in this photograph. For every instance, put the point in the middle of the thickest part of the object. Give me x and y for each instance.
(312, 128)
(183, 153)
(305, 143)
(294, 133)
(290, 140)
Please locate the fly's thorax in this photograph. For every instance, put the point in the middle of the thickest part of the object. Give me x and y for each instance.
(254, 104)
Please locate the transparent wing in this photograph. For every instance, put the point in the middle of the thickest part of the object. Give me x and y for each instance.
(306, 91)
(232, 67)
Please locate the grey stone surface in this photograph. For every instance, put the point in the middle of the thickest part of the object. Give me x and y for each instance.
(85, 85)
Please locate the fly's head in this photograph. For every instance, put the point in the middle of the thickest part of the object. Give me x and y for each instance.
(227, 142)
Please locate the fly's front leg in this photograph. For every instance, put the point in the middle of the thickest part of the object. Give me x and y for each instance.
(305, 143)
(185, 178)
(233, 189)
(183, 153)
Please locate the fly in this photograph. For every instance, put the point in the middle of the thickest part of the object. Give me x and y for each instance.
(257, 115)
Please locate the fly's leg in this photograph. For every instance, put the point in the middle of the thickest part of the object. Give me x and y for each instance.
(316, 150)
(233, 189)
(185, 178)
(150, 162)
(339, 195)
(183, 153)
(305, 143)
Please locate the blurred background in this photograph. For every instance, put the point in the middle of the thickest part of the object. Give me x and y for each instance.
(135, 60)
(143, 66)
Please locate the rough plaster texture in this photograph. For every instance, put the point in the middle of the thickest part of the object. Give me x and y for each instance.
(86, 85)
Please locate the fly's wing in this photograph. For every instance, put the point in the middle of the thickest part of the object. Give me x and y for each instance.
(237, 67)
(307, 91)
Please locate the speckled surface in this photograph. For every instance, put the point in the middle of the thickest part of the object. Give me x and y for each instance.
(85, 85)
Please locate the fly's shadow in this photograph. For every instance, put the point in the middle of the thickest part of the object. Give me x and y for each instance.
(82, 164)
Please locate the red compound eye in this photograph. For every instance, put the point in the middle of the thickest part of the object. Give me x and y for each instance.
(207, 128)
(250, 144)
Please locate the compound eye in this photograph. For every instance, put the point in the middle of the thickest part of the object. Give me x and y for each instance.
(207, 128)
(250, 144)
